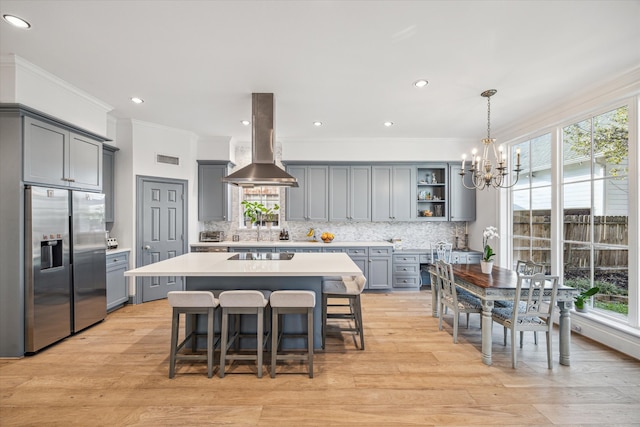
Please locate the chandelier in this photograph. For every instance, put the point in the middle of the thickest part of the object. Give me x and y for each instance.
(485, 172)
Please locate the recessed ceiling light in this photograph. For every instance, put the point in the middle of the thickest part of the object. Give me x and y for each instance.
(245, 122)
(137, 100)
(16, 22)
(421, 83)
(388, 124)
(317, 124)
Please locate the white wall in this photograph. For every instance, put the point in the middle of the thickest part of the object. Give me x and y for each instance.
(25, 83)
(139, 143)
(376, 149)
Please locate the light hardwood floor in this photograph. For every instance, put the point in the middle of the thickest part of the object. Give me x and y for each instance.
(116, 374)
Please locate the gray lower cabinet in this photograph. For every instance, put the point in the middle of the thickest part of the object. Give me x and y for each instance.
(214, 196)
(462, 201)
(393, 193)
(108, 181)
(117, 286)
(350, 193)
(310, 200)
(406, 270)
(380, 268)
(299, 249)
(55, 155)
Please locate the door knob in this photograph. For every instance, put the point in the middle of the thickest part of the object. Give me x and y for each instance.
(147, 247)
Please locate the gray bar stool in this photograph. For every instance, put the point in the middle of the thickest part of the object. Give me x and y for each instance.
(347, 288)
(239, 303)
(191, 303)
(291, 302)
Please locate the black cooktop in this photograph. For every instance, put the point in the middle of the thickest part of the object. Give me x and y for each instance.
(259, 256)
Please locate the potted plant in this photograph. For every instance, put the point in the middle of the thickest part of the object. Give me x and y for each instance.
(487, 251)
(269, 214)
(582, 297)
(252, 211)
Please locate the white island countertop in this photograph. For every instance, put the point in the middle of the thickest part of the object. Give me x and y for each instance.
(290, 243)
(219, 264)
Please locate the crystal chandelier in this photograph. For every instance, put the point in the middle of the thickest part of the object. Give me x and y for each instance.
(486, 173)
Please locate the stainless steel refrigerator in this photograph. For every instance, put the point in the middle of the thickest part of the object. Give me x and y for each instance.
(65, 263)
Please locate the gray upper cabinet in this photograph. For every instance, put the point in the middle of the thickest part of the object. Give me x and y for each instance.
(54, 155)
(350, 193)
(462, 200)
(108, 181)
(214, 196)
(393, 192)
(310, 200)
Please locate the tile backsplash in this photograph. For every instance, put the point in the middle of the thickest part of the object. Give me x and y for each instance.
(413, 234)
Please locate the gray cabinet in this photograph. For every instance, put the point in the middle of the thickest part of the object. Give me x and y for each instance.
(108, 181)
(214, 196)
(310, 200)
(406, 270)
(393, 193)
(380, 268)
(252, 249)
(117, 286)
(360, 256)
(462, 200)
(349, 193)
(55, 155)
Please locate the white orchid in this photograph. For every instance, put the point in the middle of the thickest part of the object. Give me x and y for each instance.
(488, 234)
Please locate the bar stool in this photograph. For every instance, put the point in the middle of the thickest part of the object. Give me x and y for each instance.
(239, 303)
(291, 302)
(348, 288)
(191, 303)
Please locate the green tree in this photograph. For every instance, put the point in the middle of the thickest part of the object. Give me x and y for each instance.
(610, 138)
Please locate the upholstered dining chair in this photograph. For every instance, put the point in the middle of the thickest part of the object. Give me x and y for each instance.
(534, 315)
(523, 268)
(449, 298)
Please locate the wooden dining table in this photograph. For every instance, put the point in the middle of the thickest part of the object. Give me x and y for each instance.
(500, 285)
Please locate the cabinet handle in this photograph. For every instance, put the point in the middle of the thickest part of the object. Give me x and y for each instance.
(116, 260)
(72, 180)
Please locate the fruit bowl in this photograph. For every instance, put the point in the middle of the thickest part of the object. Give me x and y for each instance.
(327, 237)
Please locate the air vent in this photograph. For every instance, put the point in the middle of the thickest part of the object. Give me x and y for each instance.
(170, 160)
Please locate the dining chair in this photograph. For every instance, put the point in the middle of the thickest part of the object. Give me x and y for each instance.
(449, 298)
(441, 250)
(523, 268)
(533, 315)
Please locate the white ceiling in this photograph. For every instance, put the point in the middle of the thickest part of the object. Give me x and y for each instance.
(349, 64)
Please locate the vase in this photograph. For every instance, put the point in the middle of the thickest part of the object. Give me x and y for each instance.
(486, 266)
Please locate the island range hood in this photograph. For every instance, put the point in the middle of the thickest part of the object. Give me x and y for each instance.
(262, 170)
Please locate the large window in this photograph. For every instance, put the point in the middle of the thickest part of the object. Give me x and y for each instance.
(595, 200)
(591, 174)
(531, 203)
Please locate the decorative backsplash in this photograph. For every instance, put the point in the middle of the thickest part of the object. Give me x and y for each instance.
(414, 235)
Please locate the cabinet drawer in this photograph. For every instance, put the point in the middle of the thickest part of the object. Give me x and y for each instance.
(334, 250)
(406, 269)
(118, 260)
(474, 258)
(406, 282)
(458, 258)
(380, 251)
(358, 251)
(425, 259)
(406, 259)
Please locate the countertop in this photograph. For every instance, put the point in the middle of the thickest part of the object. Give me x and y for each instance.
(117, 251)
(218, 264)
(289, 243)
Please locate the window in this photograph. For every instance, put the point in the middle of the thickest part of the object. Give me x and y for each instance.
(266, 200)
(531, 203)
(595, 200)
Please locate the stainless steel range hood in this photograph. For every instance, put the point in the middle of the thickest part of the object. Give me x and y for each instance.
(262, 170)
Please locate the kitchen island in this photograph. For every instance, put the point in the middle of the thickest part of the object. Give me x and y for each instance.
(215, 271)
